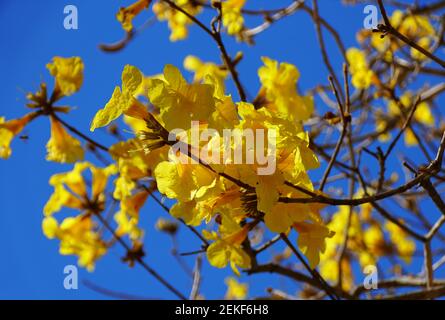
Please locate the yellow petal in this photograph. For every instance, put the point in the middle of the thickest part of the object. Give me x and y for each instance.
(112, 110)
(50, 227)
(180, 102)
(61, 198)
(311, 240)
(186, 211)
(100, 179)
(217, 254)
(120, 100)
(9, 129)
(126, 15)
(62, 147)
(6, 137)
(68, 73)
(235, 290)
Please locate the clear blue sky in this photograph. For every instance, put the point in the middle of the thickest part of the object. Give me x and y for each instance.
(31, 33)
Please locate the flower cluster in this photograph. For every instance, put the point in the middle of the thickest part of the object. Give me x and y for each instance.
(234, 170)
(367, 240)
(178, 22)
(368, 72)
(61, 147)
(220, 189)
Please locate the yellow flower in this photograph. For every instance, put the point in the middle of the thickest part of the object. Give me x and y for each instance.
(279, 83)
(70, 189)
(10, 129)
(177, 21)
(225, 115)
(126, 15)
(231, 16)
(68, 73)
(367, 245)
(329, 270)
(187, 211)
(423, 114)
(219, 199)
(414, 27)
(128, 216)
(122, 101)
(312, 240)
(78, 237)
(50, 227)
(183, 181)
(227, 250)
(136, 125)
(404, 245)
(236, 290)
(374, 240)
(180, 102)
(358, 66)
(381, 125)
(62, 147)
(133, 164)
(6, 137)
(293, 158)
(425, 43)
(283, 215)
(62, 198)
(203, 69)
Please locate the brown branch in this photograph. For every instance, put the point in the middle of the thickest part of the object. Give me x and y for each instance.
(112, 293)
(428, 265)
(422, 294)
(388, 28)
(397, 283)
(324, 53)
(404, 127)
(434, 195)
(217, 38)
(340, 139)
(141, 262)
(430, 170)
(295, 6)
(194, 294)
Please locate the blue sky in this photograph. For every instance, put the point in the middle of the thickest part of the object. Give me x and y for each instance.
(31, 33)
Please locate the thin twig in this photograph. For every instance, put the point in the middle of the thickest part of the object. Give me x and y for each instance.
(141, 262)
(316, 276)
(388, 28)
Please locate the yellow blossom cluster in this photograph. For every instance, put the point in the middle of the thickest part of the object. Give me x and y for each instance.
(87, 193)
(396, 109)
(78, 235)
(61, 147)
(415, 27)
(380, 50)
(214, 187)
(178, 22)
(231, 190)
(232, 17)
(236, 290)
(366, 241)
(362, 75)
